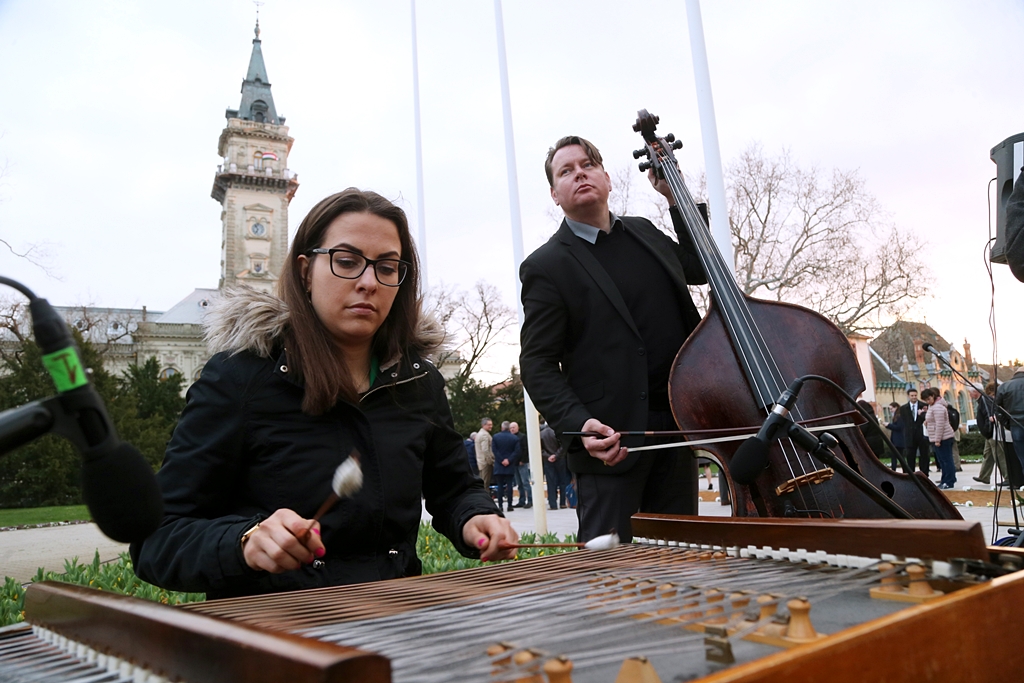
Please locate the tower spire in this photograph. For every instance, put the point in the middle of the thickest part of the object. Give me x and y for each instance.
(257, 101)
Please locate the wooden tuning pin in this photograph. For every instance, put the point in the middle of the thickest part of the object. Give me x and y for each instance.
(528, 662)
(637, 670)
(495, 652)
(716, 610)
(767, 606)
(891, 583)
(918, 591)
(739, 603)
(772, 630)
(800, 629)
(558, 670)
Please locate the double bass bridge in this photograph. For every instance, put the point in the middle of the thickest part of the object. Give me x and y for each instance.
(815, 477)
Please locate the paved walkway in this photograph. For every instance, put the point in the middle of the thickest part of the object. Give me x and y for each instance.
(23, 551)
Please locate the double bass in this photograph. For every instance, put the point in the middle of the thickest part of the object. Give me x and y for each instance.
(731, 371)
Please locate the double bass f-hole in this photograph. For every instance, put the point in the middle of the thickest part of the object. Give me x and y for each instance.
(742, 356)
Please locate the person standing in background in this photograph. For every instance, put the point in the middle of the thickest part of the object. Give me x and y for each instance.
(484, 456)
(895, 431)
(522, 473)
(1010, 397)
(940, 433)
(915, 445)
(556, 472)
(506, 458)
(994, 455)
(872, 430)
(470, 445)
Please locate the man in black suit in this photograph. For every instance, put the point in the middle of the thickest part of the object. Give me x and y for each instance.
(606, 309)
(915, 445)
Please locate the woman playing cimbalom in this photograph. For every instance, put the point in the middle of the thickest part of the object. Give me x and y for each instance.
(336, 365)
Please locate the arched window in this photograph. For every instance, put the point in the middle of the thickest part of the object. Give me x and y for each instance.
(259, 111)
(168, 372)
(961, 399)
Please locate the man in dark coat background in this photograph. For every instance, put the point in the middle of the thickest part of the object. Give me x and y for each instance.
(915, 445)
(606, 309)
(556, 471)
(506, 459)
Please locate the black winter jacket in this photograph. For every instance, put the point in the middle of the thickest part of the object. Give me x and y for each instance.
(243, 449)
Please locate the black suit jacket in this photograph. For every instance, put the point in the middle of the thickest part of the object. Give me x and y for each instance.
(582, 355)
(913, 432)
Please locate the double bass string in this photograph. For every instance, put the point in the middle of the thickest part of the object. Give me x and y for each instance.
(730, 302)
(756, 354)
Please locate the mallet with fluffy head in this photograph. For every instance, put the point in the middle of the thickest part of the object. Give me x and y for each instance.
(606, 542)
(348, 479)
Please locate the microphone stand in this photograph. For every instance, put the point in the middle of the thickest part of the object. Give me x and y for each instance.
(24, 424)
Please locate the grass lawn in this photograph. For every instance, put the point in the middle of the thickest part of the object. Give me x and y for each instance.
(59, 513)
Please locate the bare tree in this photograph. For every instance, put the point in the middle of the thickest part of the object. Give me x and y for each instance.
(810, 237)
(104, 328)
(476, 321)
(819, 239)
(38, 254)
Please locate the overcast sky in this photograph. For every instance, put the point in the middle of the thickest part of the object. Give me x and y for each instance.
(110, 112)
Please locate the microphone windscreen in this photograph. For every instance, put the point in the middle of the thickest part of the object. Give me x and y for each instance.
(749, 461)
(121, 492)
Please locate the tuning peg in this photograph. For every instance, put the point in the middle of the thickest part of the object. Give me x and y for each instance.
(642, 152)
(644, 165)
(678, 144)
(670, 138)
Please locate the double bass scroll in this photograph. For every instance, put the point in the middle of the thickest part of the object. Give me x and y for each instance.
(743, 355)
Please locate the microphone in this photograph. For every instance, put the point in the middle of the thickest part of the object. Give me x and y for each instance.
(929, 348)
(118, 485)
(751, 457)
(121, 492)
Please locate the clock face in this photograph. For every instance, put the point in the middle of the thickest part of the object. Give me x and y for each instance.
(259, 229)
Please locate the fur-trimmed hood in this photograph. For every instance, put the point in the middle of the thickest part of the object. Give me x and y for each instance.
(241, 318)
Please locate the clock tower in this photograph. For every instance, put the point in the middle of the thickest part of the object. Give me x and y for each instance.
(253, 184)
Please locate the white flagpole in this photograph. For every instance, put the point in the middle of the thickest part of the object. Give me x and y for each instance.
(709, 133)
(540, 517)
(421, 220)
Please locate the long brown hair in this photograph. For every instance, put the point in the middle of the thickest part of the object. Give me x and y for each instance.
(312, 351)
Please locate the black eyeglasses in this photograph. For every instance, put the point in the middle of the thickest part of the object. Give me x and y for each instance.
(349, 265)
